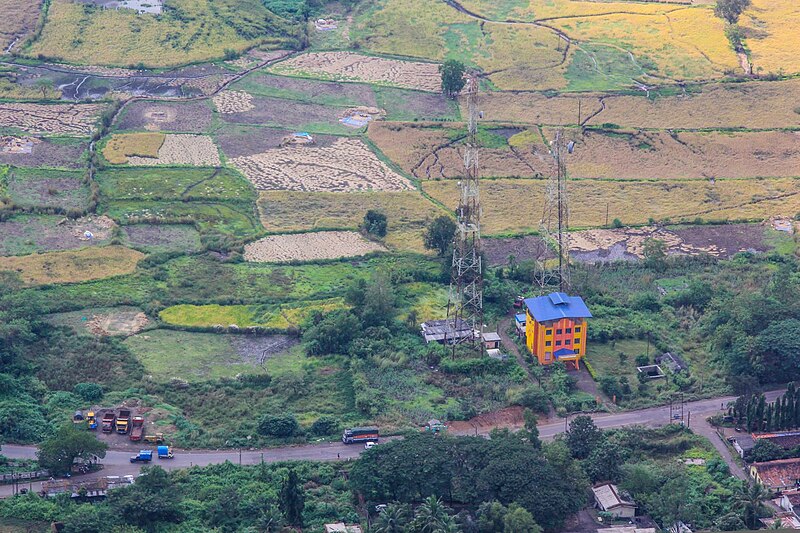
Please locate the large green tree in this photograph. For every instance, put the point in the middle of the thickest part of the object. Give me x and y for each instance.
(58, 453)
(730, 10)
(292, 500)
(453, 81)
(583, 436)
(439, 235)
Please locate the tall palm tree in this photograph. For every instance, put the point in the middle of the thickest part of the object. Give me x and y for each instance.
(749, 499)
(394, 518)
(433, 517)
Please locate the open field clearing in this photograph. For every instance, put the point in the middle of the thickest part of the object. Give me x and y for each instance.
(407, 213)
(767, 26)
(631, 202)
(349, 66)
(47, 188)
(190, 31)
(57, 119)
(275, 317)
(122, 146)
(27, 234)
(346, 165)
(194, 150)
(233, 102)
(234, 218)
(308, 90)
(436, 151)
(49, 152)
(313, 246)
(748, 105)
(163, 237)
(104, 321)
(190, 117)
(654, 155)
(19, 20)
(295, 115)
(73, 266)
(427, 300)
(174, 184)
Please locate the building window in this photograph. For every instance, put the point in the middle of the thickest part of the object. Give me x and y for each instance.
(577, 329)
(577, 341)
(567, 342)
(558, 343)
(569, 330)
(548, 332)
(548, 343)
(558, 332)
(546, 356)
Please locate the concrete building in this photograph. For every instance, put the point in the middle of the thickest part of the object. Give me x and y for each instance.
(608, 498)
(555, 328)
(777, 475)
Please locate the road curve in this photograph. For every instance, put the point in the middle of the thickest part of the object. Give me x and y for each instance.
(117, 463)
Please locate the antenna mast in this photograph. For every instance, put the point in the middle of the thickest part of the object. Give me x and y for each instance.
(554, 226)
(465, 305)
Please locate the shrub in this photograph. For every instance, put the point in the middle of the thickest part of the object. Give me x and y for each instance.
(284, 425)
(89, 392)
(590, 369)
(325, 425)
(534, 398)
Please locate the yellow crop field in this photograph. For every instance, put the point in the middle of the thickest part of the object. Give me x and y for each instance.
(533, 10)
(190, 31)
(407, 213)
(121, 146)
(771, 34)
(73, 266)
(19, 19)
(281, 317)
(633, 202)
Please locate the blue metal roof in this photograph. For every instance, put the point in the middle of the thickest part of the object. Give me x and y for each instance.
(521, 317)
(556, 306)
(563, 351)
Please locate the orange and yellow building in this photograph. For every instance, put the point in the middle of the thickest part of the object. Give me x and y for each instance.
(555, 328)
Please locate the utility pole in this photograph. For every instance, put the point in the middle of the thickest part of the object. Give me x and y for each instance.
(465, 302)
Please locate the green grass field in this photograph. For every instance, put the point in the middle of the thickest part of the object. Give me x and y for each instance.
(175, 184)
(274, 317)
(34, 187)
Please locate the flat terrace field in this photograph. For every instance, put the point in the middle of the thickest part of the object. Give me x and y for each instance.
(19, 20)
(23, 234)
(507, 202)
(48, 152)
(52, 119)
(72, 266)
(190, 31)
(28, 187)
(188, 117)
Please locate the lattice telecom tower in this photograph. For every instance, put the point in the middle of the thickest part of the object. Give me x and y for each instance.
(465, 304)
(554, 225)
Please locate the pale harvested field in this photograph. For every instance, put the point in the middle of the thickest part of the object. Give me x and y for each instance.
(769, 25)
(233, 102)
(346, 165)
(73, 266)
(356, 67)
(66, 119)
(19, 19)
(309, 247)
(515, 206)
(758, 104)
(195, 150)
(408, 213)
(684, 155)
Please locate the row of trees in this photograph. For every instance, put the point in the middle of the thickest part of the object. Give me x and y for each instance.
(756, 414)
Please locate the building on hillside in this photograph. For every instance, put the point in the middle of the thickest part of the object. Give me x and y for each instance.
(341, 527)
(443, 332)
(608, 498)
(491, 340)
(519, 322)
(555, 328)
(790, 501)
(777, 475)
(742, 443)
(785, 439)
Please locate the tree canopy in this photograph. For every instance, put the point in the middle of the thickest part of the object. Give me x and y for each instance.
(453, 81)
(58, 453)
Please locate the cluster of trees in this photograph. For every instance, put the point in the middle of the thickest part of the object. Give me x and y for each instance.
(756, 414)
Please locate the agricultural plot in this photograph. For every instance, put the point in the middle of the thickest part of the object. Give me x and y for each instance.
(48, 152)
(308, 90)
(55, 119)
(193, 150)
(47, 188)
(346, 165)
(300, 247)
(163, 237)
(295, 115)
(72, 266)
(623, 154)
(174, 184)
(244, 141)
(122, 146)
(407, 213)
(27, 234)
(19, 20)
(349, 66)
(513, 206)
(289, 316)
(233, 102)
(533, 10)
(191, 31)
(767, 27)
(104, 321)
(749, 105)
(189, 117)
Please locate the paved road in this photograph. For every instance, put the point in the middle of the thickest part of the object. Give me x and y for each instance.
(117, 462)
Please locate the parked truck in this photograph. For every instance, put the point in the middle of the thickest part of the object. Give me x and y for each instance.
(91, 420)
(109, 422)
(156, 438)
(165, 452)
(137, 428)
(77, 418)
(362, 434)
(144, 456)
(123, 421)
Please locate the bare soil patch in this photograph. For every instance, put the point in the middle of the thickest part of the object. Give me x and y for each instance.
(356, 67)
(189, 117)
(244, 141)
(313, 90)
(347, 165)
(106, 321)
(309, 247)
(286, 113)
(233, 102)
(509, 417)
(46, 153)
(163, 237)
(19, 19)
(527, 248)
(66, 119)
(195, 150)
(25, 234)
(259, 348)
